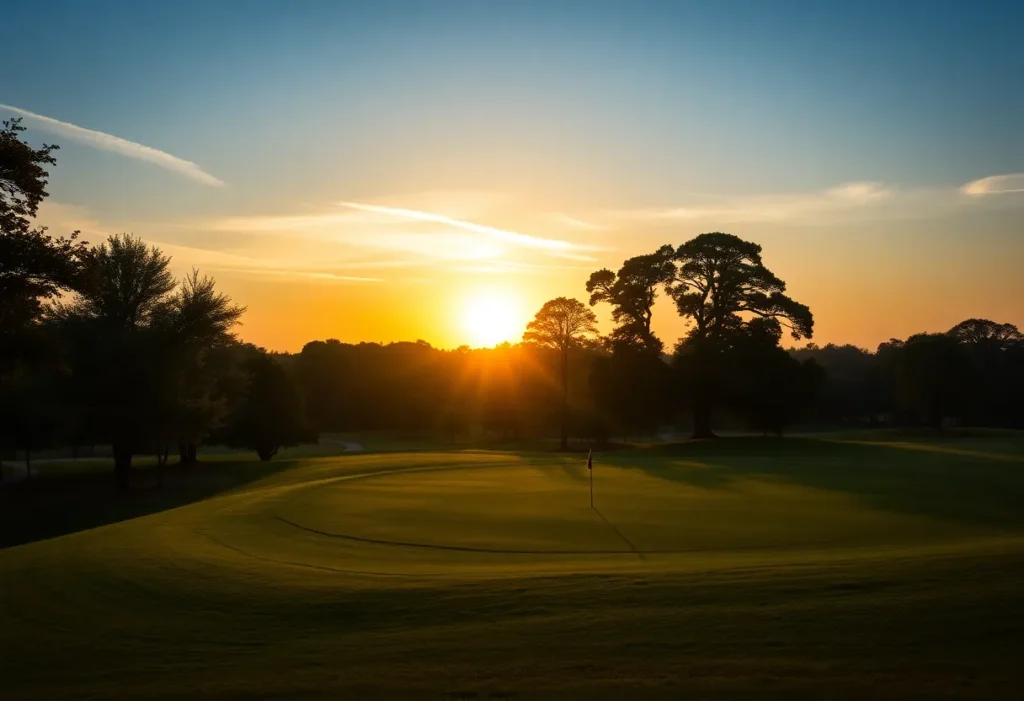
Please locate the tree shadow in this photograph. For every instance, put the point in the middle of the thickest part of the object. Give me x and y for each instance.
(938, 480)
(54, 505)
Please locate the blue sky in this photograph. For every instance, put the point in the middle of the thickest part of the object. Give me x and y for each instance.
(839, 135)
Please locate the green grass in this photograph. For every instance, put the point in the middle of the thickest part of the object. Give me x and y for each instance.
(862, 566)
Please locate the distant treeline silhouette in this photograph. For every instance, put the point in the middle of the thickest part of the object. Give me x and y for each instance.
(100, 345)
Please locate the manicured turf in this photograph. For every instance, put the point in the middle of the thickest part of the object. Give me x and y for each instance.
(845, 568)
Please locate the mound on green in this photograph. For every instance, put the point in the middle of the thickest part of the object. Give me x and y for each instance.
(728, 569)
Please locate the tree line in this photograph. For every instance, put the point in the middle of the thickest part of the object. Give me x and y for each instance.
(729, 371)
(101, 345)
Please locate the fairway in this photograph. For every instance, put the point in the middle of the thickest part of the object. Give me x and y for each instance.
(740, 568)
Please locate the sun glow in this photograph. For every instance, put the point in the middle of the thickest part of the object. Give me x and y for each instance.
(492, 318)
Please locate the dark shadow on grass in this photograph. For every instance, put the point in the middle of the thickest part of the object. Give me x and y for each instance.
(929, 480)
(55, 505)
(619, 533)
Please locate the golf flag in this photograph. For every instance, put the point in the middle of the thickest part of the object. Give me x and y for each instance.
(590, 459)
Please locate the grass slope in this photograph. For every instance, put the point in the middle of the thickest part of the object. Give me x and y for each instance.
(733, 569)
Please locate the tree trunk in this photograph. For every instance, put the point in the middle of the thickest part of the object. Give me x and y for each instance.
(122, 464)
(565, 399)
(187, 453)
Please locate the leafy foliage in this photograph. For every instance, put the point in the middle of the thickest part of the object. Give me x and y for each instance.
(632, 292)
(270, 414)
(34, 266)
(562, 324)
(722, 286)
(138, 345)
(719, 277)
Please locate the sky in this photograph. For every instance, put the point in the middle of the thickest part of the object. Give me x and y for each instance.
(387, 171)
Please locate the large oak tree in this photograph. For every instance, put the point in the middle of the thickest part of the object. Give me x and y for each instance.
(721, 284)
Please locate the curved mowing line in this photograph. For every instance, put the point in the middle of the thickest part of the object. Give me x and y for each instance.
(293, 563)
(492, 551)
(456, 548)
(497, 551)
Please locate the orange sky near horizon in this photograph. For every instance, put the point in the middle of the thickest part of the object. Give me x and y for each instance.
(368, 174)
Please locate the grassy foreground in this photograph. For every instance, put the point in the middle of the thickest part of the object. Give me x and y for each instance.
(743, 568)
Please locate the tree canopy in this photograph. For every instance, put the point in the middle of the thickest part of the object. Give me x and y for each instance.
(722, 286)
(562, 324)
(34, 266)
(720, 277)
(631, 292)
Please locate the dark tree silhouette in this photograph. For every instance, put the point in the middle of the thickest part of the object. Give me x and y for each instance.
(33, 265)
(854, 391)
(996, 384)
(985, 333)
(933, 378)
(632, 392)
(270, 414)
(631, 292)
(766, 386)
(562, 324)
(197, 318)
(136, 343)
(719, 281)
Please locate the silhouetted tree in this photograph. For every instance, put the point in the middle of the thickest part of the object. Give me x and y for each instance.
(933, 378)
(996, 390)
(852, 392)
(33, 265)
(136, 344)
(560, 325)
(719, 282)
(985, 333)
(196, 319)
(631, 292)
(765, 385)
(270, 415)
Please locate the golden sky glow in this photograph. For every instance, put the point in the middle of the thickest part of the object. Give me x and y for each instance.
(470, 268)
(379, 178)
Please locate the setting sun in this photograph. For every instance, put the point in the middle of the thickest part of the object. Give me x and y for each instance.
(491, 318)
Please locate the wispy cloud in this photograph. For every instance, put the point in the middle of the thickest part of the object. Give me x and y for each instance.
(509, 266)
(233, 262)
(571, 222)
(109, 142)
(421, 233)
(995, 184)
(502, 235)
(777, 207)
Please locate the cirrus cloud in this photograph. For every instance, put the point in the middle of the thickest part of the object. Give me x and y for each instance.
(994, 185)
(774, 207)
(108, 142)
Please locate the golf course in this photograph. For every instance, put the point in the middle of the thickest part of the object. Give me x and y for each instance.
(864, 566)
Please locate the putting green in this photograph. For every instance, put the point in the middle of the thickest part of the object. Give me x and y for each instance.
(489, 514)
(735, 569)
